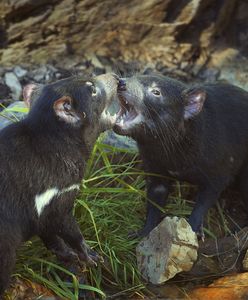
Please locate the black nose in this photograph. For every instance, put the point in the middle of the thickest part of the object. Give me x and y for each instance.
(122, 84)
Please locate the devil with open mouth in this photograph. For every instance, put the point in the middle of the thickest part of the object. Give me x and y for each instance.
(196, 134)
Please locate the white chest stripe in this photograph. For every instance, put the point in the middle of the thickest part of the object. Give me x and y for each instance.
(42, 200)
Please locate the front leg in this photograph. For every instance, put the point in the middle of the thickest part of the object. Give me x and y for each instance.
(157, 193)
(205, 199)
(71, 234)
(57, 246)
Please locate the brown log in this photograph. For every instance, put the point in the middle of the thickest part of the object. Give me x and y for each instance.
(171, 31)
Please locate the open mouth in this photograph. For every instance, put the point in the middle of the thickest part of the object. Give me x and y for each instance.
(127, 115)
(107, 118)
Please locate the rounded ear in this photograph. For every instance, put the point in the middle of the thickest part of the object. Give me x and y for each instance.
(64, 110)
(193, 102)
(27, 93)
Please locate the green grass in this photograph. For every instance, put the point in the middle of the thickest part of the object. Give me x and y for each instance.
(110, 205)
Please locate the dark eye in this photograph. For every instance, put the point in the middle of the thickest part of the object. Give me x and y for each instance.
(93, 90)
(67, 107)
(156, 92)
(92, 87)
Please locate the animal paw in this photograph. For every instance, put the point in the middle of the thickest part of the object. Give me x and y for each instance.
(66, 256)
(139, 233)
(200, 233)
(89, 256)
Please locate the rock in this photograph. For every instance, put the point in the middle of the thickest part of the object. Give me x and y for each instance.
(227, 288)
(210, 75)
(232, 65)
(245, 261)
(236, 72)
(20, 72)
(170, 31)
(170, 248)
(2, 71)
(45, 74)
(95, 61)
(13, 83)
(118, 141)
(40, 74)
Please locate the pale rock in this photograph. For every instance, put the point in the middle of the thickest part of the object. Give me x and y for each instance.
(169, 249)
(20, 72)
(149, 30)
(13, 83)
(95, 61)
(245, 261)
(40, 74)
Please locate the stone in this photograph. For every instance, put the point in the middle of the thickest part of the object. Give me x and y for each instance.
(236, 72)
(210, 75)
(2, 71)
(40, 74)
(95, 61)
(232, 66)
(169, 249)
(13, 83)
(118, 141)
(245, 261)
(170, 31)
(20, 72)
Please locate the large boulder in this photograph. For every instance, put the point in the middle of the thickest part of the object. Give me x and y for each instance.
(172, 31)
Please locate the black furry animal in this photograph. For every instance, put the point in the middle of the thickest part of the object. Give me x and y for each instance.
(42, 162)
(196, 134)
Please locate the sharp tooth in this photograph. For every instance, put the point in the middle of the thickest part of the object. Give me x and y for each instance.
(126, 102)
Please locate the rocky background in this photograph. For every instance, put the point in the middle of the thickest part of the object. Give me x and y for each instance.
(191, 39)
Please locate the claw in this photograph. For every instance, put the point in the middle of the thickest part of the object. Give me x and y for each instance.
(138, 233)
(200, 233)
(133, 235)
(68, 256)
(90, 257)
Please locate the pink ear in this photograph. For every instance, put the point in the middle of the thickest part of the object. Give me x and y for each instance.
(27, 92)
(64, 110)
(193, 102)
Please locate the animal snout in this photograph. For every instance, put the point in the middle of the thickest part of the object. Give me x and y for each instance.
(122, 84)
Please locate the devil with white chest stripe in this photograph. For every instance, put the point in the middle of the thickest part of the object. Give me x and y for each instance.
(42, 161)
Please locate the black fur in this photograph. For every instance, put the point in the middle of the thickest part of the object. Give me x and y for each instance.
(48, 150)
(196, 134)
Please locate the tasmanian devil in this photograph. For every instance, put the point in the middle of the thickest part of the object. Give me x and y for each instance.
(198, 134)
(42, 162)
